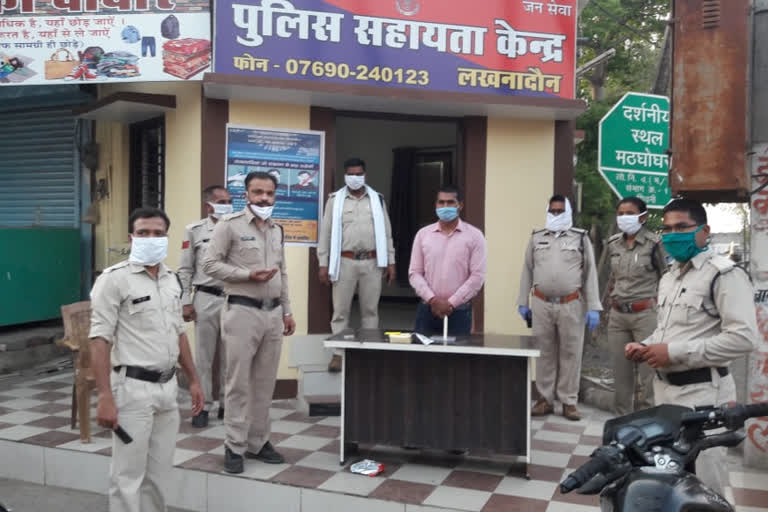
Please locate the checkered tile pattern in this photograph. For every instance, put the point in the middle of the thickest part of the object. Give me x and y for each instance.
(38, 413)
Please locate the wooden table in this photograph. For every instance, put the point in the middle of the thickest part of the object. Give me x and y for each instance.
(470, 394)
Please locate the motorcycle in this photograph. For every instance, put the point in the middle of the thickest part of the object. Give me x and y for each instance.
(647, 460)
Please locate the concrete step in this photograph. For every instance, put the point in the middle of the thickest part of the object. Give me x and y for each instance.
(313, 368)
(187, 489)
(309, 350)
(319, 383)
(323, 405)
(26, 347)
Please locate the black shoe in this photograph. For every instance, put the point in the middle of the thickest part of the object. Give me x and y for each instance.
(201, 420)
(233, 463)
(221, 413)
(266, 454)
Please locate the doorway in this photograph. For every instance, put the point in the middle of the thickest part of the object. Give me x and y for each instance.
(407, 161)
(448, 149)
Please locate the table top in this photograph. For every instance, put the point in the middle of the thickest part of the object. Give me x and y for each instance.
(484, 344)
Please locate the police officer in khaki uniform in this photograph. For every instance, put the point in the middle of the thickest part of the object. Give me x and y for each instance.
(208, 298)
(246, 252)
(560, 271)
(137, 337)
(363, 252)
(637, 263)
(706, 319)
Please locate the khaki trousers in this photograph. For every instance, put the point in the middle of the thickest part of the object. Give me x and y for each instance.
(253, 341)
(207, 339)
(139, 471)
(633, 382)
(559, 332)
(712, 464)
(363, 277)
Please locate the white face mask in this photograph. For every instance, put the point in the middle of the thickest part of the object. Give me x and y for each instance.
(629, 224)
(262, 212)
(560, 222)
(354, 182)
(148, 251)
(220, 209)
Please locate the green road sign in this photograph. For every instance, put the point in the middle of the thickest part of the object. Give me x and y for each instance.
(634, 136)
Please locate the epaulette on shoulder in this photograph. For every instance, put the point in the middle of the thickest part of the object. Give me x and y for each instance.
(578, 230)
(231, 216)
(721, 263)
(617, 236)
(195, 224)
(537, 231)
(116, 266)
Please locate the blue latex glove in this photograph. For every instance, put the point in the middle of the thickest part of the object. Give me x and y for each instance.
(593, 319)
(524, 311)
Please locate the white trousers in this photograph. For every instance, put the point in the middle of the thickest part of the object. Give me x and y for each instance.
(140, 471)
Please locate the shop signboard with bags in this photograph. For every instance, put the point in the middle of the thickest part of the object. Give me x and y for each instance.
(69, 41)
(60, 64)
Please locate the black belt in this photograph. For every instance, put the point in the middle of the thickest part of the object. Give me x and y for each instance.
(242, 300)
(696, 376)
(213, 290)
(139, 373)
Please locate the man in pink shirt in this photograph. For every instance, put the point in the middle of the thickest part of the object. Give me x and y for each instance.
(447, 268)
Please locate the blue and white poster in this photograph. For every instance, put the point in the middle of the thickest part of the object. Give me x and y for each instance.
(295, 158)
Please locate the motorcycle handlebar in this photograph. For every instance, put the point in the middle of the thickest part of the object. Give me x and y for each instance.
(733, 417)
(601, 462)
(607, 457)
(696, 417)
(756, 410)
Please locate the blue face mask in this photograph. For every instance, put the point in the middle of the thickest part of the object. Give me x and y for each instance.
(682, 246)
(447, 213)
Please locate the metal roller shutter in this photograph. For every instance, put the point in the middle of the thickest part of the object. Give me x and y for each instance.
(38, 182)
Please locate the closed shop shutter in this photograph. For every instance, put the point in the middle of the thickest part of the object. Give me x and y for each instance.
(38, 181)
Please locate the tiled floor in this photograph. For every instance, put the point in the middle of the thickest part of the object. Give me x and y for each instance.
(38, 413)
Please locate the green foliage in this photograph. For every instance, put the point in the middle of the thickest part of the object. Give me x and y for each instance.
(635, 29)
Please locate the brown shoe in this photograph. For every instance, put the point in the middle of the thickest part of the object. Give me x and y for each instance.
(542, 408)
(571, 412)
(335, 365)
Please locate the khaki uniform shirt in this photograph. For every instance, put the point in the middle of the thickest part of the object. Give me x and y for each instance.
(196, 239)
(636, 272)
(138, 315)
(696, 339)
(357, 232)
(560, 264)
(238, 247)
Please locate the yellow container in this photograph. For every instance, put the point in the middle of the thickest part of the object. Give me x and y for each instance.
(404, 337)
